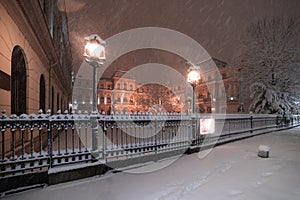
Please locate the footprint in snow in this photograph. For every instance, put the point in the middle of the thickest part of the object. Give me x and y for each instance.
(266, 174)
(235, 192)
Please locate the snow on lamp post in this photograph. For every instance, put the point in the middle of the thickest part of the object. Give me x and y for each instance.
(193, 77)
(94, 54)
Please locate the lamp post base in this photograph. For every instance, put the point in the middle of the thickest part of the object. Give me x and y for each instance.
(95, 149)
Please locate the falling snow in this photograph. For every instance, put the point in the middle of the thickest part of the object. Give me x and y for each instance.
(231, 171)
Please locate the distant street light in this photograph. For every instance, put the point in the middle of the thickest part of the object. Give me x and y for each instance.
(94, 54)
(193, 77)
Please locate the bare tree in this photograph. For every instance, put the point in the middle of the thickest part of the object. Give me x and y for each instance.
(270, 55)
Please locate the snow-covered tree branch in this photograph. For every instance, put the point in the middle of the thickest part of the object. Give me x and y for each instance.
(270, 61)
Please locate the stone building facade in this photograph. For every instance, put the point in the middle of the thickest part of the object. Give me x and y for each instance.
(35, 56)
(211, 96)
(122, 94)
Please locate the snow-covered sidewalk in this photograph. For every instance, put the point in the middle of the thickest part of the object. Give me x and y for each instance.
(232, 171)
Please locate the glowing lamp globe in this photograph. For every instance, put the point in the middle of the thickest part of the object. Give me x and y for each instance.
(94, 50)
(193, 75)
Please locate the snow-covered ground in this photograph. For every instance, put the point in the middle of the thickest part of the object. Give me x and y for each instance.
(232, 171)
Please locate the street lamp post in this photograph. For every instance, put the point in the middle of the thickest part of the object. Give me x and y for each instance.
(94, 54)
(193, 77)
(241, 98)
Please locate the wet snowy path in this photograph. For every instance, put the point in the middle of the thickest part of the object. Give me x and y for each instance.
(232, 171)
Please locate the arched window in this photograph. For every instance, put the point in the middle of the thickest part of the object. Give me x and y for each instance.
(18, 81)
(42, 93)
(208, 94)
(119, 100)
(208, 109)
(125, 86)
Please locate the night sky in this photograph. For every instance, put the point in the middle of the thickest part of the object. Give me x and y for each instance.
(215, 24)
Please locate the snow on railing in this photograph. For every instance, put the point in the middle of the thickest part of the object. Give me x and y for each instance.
(41, 141)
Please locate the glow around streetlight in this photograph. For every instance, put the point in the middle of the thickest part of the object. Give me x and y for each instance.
(193, 74)
(94, 50)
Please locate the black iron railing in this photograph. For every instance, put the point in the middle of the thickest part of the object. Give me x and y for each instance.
(32, 143)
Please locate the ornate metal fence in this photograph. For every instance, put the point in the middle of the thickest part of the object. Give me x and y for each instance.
(32, 143)
(134, 135)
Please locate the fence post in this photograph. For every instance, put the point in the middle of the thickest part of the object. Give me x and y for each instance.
(229, 129)
(13, 150)
(104, 139)
(251, 124)
(95, 150)
(49, 130)
(197, 134)
(155, 132)
(193, 130)
(50, 142)
(3, 145)
(191, 135)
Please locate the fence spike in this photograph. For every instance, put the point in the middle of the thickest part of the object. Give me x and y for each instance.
(3, 116)
(13, 116)
(23, 116)
(32, 116)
